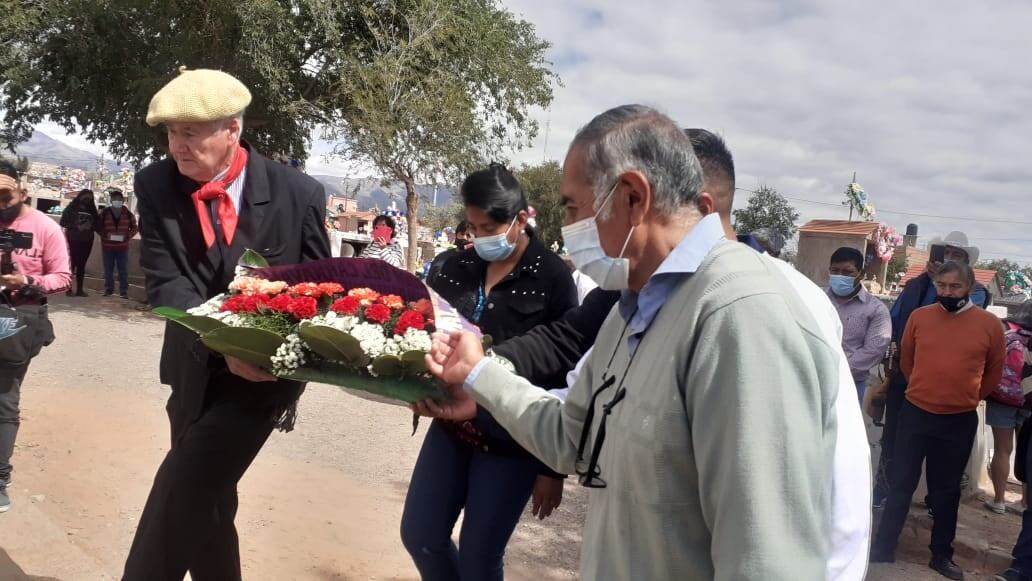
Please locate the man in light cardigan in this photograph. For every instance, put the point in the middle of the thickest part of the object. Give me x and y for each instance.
(703, 421)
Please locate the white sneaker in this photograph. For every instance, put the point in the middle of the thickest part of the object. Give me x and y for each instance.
(5, 501)
(997, 507)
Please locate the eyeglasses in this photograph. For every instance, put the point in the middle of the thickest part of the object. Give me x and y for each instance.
(591, 475)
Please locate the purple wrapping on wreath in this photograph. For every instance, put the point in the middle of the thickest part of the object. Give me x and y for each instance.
(373, 274)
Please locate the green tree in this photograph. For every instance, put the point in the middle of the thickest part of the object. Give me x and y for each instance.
(1001, 265)
(92, 67)
(437, 218)
(437, 88)
(541, 184)
(767, 209)
(897, 267)
(18, 19)
(422, 89)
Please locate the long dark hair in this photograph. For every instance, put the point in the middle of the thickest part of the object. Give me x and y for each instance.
(77, 204)
(496, 192)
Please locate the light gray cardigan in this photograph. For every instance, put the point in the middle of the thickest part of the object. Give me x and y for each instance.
(719, 459)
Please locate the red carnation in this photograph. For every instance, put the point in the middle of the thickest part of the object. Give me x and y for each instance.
(409, 320)
(233, 305)
(346, 306)
(244, 303)
(304, 308)
(281, 304)
(378, 313)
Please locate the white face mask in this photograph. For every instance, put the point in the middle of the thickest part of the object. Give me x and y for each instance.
(585, 248)
(116, 204)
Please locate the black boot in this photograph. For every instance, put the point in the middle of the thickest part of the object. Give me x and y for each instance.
(947, 568)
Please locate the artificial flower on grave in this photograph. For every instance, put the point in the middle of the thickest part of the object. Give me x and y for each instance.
(886, 240)
(355, 323)
(1017, 283)
(856, 198)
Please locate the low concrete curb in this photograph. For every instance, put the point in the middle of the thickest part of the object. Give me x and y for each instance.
(970, 550)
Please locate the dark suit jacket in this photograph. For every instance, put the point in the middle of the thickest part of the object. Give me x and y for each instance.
(546, 353)
(281, 216)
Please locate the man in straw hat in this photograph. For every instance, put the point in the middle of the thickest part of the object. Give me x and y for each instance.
(200, 210)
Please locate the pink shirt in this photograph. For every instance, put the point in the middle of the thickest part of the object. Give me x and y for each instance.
(47, 261)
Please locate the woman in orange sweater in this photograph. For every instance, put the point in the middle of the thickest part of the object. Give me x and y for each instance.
(952, 355)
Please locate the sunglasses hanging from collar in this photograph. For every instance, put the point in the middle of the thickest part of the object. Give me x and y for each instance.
(590, 476)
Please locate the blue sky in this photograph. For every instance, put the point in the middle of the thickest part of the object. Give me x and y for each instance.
(925, 100)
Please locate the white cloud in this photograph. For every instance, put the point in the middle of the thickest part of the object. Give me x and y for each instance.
(926, 100)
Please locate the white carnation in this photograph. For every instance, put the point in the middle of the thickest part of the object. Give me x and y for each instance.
(371, 337)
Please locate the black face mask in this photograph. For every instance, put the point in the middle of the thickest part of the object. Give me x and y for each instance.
(953, 304)
(9, 215)
(461, 243)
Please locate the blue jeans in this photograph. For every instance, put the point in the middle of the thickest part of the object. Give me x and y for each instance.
(119, 258)
(450, 476)
(1023, 548)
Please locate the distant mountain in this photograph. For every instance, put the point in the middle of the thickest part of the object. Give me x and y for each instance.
(45, 149)
(372, 193)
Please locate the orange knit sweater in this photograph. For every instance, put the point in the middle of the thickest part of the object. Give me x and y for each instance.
(952, 360)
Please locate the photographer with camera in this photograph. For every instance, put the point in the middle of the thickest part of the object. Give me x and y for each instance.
(33, 263)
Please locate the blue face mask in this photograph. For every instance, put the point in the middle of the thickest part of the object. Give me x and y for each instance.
(495, 248)
(841, 285)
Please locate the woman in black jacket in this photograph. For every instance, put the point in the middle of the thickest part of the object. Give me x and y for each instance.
(508, 283)
(79, 220)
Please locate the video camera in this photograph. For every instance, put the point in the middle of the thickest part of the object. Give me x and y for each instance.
(11, 240)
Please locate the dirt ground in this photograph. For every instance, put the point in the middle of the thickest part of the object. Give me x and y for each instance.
(320, 503)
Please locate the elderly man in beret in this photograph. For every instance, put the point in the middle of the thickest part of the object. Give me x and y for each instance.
(214, 198)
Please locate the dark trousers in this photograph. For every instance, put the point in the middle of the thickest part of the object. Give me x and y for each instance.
(893, 405)
(449, 477)
(10, 416)
(1023, 548)
(944, 442)
(79, 253)
(119, 259)
(187, 523)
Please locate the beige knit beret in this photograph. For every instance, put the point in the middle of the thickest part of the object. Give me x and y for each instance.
(198, 96)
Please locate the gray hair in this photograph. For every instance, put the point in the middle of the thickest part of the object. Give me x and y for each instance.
(239, 118)
(639, 138)
(962, 269)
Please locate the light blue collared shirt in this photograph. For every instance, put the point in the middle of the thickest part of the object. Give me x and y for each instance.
(640, 309)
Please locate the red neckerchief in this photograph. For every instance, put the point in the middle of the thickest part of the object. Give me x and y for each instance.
(216, 190)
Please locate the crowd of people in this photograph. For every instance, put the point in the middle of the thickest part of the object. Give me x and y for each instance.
(707, 393)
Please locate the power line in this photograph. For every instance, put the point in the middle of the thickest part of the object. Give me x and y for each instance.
(916, 214)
